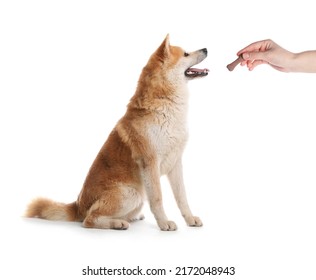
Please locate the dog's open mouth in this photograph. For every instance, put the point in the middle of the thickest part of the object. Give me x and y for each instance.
(196, 72)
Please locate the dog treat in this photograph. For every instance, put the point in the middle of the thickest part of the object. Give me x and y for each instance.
(232, 65)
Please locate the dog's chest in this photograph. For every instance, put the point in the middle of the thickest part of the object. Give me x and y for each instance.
(168, 135)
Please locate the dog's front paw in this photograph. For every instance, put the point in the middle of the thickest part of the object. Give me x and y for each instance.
(193, 221)
(167, 225)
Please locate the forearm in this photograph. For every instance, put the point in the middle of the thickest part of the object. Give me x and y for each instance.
(304, 62)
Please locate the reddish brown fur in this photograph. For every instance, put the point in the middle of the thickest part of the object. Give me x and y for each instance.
(114, 189)
(51, 210)
(113, 164)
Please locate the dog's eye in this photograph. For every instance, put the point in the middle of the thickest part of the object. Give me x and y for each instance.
(186, 54)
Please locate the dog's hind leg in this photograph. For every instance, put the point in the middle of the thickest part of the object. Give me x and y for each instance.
(135, 215)
(114, 209)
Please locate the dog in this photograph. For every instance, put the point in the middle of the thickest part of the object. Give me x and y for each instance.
(146, 143)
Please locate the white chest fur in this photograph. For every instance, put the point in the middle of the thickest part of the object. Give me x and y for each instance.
(168, 135)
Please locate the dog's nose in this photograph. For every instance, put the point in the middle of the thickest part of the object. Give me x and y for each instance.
(204, 50)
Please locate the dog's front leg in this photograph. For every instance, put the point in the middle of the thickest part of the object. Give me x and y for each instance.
(151, 180)
(175, 177)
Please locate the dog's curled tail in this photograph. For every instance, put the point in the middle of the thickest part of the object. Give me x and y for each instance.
(50, 210)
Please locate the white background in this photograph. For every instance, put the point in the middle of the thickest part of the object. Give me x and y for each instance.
(67, 71)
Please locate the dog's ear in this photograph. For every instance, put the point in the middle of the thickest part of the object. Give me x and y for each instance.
(164, 49)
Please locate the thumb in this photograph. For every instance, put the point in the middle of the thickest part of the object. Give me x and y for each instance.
(254, 56)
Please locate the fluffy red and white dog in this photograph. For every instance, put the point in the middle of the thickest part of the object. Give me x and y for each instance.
(147, 142)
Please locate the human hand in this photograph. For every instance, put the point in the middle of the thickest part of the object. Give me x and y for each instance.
(264, 52)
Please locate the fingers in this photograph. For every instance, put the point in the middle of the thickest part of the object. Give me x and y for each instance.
(250, 59)
(253, 64)
(263, 52)
(255, 56)
(256, 53)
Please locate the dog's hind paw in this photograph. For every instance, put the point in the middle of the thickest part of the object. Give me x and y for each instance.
(193, 221)
(119, 224)
(136, 218)
(167, 225)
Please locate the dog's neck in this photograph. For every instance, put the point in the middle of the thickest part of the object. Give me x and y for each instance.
(155, 92)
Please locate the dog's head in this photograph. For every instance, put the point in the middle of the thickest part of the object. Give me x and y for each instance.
(179, 63)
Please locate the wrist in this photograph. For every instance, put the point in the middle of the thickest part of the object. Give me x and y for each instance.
(304, 62)
(294, 62)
